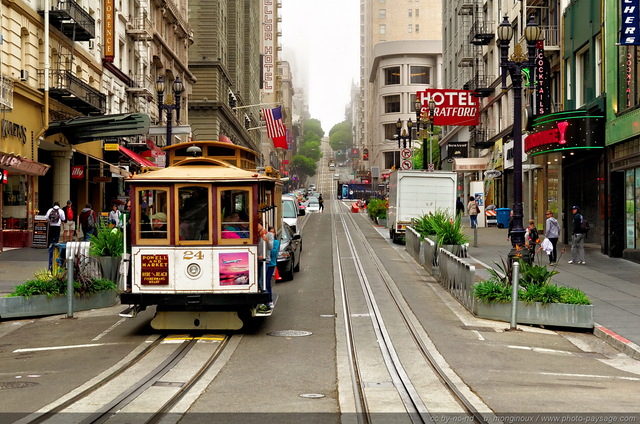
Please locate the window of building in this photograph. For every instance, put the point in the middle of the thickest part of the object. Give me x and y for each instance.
(390, 131)
(392, 75)
(193, 213)
(153, 210)
(583, 76)
(392, 104)
(410, 12)
(567, 72)
(409, 28)
(383, 29)
(392, 159)
(382, 13)
(420, 74)
(632, 207)
(417, 15)
(599, 64)
(417, 28)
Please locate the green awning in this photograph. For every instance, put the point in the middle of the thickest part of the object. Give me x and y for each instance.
(90, 128)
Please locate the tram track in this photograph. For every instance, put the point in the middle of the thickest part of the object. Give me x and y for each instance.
(414, 400)
(177, 363)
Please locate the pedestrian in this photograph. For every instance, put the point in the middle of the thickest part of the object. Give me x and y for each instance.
(273, 262)
(473, 210)
(88, 221)
(69, 224)
(265, 244)
(531, 238)
(577, 241)
(459, 206)
(321, 201)
(114, 217)
(552, 232)
(55, 217)
(510, 226)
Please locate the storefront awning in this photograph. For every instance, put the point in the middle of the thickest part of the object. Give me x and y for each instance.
(137, 158)
(13, 163)
(470, 164)
(91, 128)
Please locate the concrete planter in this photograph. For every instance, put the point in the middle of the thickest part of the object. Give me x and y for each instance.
(551, 314)
(20, 306)
(382, 222)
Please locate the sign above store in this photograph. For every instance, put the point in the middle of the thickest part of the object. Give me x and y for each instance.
(453, 107)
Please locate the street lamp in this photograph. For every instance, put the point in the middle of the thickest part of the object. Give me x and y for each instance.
(423, 120)
(402, 134)
(169, 105)
(514, 67)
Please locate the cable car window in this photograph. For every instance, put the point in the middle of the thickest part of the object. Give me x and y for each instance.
(235, 214)
(193, 213)
(152, 209)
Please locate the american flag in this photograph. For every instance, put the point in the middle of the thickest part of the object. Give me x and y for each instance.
(273, 118)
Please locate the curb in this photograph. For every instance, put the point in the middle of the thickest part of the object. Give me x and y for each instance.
(617, 341)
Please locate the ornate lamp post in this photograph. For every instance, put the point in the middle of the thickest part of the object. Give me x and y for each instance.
(402, 134)
(169, 105)
(423, 121)
(514, 67)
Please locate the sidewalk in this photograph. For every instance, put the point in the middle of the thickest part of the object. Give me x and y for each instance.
(612, 284)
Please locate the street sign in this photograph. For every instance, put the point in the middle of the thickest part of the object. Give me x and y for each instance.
(406, 164)
(492, 173)
(405, 153)
(430, 167)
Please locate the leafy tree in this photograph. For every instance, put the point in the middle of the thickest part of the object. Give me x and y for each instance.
(340, 136)
(303, 166)
(314, 126)
(310, 149)
(435, 152)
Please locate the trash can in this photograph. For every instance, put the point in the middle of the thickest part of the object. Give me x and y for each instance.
(503, 217)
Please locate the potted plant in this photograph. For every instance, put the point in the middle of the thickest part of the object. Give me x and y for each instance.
(107, 244)
(450, 235)
(539, 300)
(377, 211)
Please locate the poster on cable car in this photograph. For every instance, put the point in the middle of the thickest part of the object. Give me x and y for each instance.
(234, 268)
(453, 107)
(40, 232)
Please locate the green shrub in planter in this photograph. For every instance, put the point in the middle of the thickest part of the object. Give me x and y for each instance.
(50, 284)
(107, 241)
(534, 285)
(377, 209)
(441, 224)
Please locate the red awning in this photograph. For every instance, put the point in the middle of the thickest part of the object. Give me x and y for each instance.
(137, 158)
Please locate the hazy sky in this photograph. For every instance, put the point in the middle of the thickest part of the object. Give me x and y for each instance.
(321, 41)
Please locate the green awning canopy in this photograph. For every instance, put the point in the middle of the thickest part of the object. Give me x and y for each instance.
(90, 128)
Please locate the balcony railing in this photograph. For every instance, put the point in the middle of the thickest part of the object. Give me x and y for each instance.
(140, 28)
(482, 33)
(551, 37)
(173, 8)
(74, 22)
(75, 93)
(481, 85)
(465, 55)
(481, 138)
(6, 94)
(143, 86)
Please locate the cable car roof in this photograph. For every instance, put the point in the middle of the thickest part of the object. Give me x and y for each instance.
(201, 174)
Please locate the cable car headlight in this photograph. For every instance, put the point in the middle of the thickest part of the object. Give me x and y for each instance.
(193, 270)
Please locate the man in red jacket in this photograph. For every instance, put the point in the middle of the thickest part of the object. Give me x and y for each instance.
(69, 225)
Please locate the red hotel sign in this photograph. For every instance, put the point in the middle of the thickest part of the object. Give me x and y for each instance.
(453, 107)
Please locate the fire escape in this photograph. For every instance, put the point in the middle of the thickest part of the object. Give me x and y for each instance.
(471, 57)
(78, 25)
(140, 29)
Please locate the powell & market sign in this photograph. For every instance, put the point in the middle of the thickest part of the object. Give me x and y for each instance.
(453, 107)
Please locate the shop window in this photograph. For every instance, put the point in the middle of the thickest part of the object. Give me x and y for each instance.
(235, 213)
(194, 213)
(152, 208)
(14, 210)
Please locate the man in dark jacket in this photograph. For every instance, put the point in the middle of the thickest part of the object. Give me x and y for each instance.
(577, 241)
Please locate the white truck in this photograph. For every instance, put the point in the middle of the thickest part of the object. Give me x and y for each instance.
(413, 193)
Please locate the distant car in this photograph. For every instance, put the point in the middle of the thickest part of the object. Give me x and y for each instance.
(313, 205)
(289, 253)
(291, 211)
(312, 187)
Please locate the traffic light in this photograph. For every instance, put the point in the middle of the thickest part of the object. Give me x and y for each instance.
(365, 154)
(339, 154)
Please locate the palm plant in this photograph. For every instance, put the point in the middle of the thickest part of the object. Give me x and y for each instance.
(106, 241)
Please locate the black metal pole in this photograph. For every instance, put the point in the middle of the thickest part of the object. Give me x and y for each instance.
(169, 121)
(518, 231)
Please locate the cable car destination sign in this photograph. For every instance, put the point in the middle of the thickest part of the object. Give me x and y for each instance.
(453, 107)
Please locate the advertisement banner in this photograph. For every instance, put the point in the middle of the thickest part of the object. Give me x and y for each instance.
(630, 23)
(453, 107)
